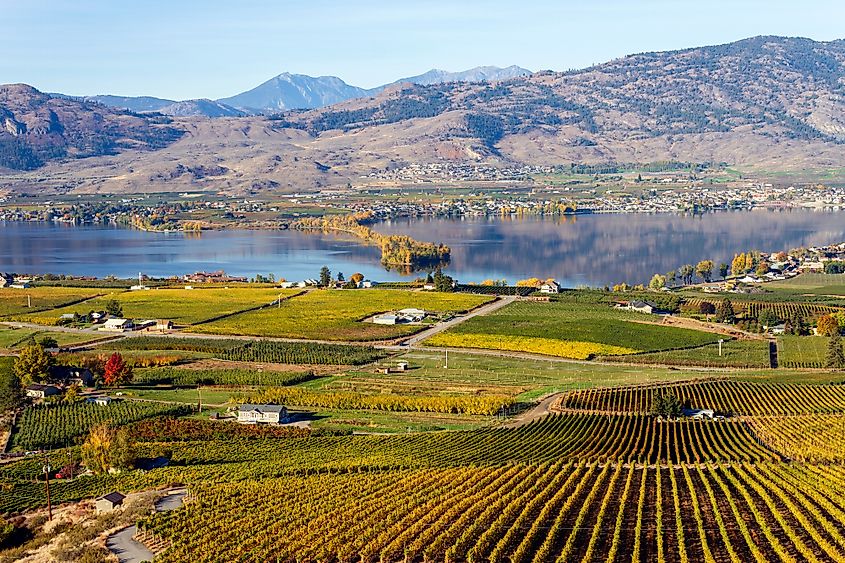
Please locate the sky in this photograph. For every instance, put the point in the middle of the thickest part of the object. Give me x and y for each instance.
(180, 49)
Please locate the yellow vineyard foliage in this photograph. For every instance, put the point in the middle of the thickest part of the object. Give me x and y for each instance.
(548, 346)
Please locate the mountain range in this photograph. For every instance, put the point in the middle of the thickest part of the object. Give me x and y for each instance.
(763, 103)
(295, 91)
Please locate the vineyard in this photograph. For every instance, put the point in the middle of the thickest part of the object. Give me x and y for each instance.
(234, 376)
(801, 351)
(814, 438)
(569, 329)
(520, 513)
(782, 310)
(339, 315)
(15, 302)
(52, 426)
(735, 353)
(725, 396)
(258, 350)
(182, 306)
(454, 404)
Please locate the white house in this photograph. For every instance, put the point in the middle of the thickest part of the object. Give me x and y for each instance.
(367, 284)
(550, 287)
(117, 325)
(699, 414)
(101, 401)
(40, 391)
(643, 307)
(262, 414)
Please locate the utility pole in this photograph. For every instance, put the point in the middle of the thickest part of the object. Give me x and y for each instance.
(29, 300)
(47, 470)
(199, 395)
(720, 346)
(280, 301)
(447, 360)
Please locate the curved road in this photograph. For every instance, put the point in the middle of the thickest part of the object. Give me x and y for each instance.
(122, 544)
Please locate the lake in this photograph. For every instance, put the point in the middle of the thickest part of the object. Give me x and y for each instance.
(586, 249)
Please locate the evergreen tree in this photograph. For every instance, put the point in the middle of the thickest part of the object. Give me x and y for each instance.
(835, 354)
(325, 276)
(725, 312)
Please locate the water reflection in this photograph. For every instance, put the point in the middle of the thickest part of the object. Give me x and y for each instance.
(589, 249)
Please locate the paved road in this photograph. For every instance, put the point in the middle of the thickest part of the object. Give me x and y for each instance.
(122, 544)
(440, 327)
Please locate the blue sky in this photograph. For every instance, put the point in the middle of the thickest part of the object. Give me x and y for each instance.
(214, 48)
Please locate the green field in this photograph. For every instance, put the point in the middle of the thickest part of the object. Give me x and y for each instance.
(182, 306)
(735, 353)
(817, 284)
(570, 330)
(338, 315)
(801, 351)
(15, 338)
(14, 302)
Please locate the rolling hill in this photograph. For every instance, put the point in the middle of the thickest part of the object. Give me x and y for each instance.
(766, 103)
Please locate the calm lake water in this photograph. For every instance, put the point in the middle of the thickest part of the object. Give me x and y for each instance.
(588, 249)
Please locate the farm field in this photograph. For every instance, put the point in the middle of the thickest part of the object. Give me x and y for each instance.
(58, 425)
(814, 283)
(569, 330)
(548, 512)
(253, 350)
(813, 438)
(338, 315)
(15, 338)
(726, 396)
(182, 306)
(801, 351)
(735, 353)
(13, 302)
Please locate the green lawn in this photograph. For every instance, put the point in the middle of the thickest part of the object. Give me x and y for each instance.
(567, 329)
(818, 284)
(338, 314)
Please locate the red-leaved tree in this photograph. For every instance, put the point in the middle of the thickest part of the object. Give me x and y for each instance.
(116, 371)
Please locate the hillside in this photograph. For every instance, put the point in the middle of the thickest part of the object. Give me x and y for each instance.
(765, 103)
(37, 128)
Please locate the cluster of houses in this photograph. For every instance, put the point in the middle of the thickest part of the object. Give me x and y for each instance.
(337, 284)
(13, 281)
(403, 316)
(218, 276)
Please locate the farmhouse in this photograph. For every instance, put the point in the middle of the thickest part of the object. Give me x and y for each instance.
(40, 391)
(69, 375)
(117, 325)
(550, 286)
(699, 414)
(262, 414)
(101, 401)
(109, 502)
(644, 307)
(164, 324)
